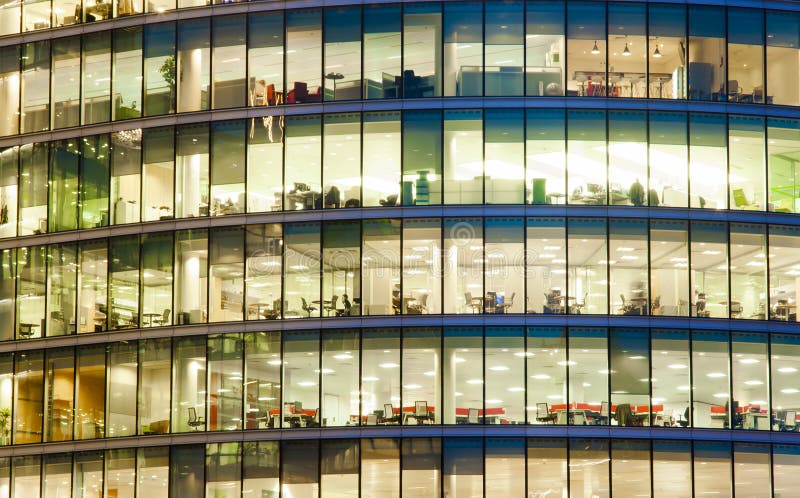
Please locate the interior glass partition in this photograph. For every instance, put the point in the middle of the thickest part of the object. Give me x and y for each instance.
(783, 44)
(545, 48)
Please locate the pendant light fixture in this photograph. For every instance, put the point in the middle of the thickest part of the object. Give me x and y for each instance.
(656, 53)
(595, 50)
(626, 52)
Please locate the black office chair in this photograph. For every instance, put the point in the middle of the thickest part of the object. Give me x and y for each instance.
(308, 309)
(194, 421)
(164, 318)
(331, 307)
(473, 302)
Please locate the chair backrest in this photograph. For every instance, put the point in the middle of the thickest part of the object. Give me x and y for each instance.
(388, 411)
(622, 296)
(509, 302)
(790, 419)
(468, 298)
(421, 408)
(166, 314)
(334, 298)
(192, 414)
(472, 416)
(542, 410)
(604, 408)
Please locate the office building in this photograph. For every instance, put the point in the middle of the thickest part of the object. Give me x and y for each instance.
(301, 249)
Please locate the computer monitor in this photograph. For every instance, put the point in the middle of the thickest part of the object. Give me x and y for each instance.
(421, 408)
(500, 299)
(388, 411)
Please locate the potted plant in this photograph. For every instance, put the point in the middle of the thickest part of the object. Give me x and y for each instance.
(5, 425)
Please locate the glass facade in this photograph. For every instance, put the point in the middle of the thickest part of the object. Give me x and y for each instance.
(459, 248)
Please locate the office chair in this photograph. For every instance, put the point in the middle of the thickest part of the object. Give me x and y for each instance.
(388, 413)
(421, 411)
(194, 421)
(472, 416)
(624, 415)
(508, 303)
(332, 306)
(164, 318)
(473, 302)
(543, 414)
(308, 309)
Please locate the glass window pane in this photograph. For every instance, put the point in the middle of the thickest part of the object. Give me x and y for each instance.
(746, 55)
(463, 376)
(421, 396)
(339, 472)
(505, 376)
(546, 266)
(783, 175)
(586, 49)
(380, 263)
(6, 403)
(225, 382)
(667, 51)
(263, 271)
(340, 384)
(783, 43)
(9, 82)
(28, 399)
(380, 377)
(380, 467)
(544, 48)
(60, 399)
(229, 61)
(670, 379)
(93, 299)
(669, 264)
(158, 173)
(154, 386)
(785, 459)
(186, 471)
(191, 276)
(712, 468)
(194, 65)
(124, 282)
(10, 18)
(588, 380)
(66, 88)
(192, 171)
(463, 154)
(504, 51)
(223, 470)
(35, 15)
(152, 470)
(263, 381)
(748, 271)
(586, 135)
(64, 192)
(302, 270)
(341, 275)
(422, 50)
(422, 157)
(709, 269)
(422, 274)
(121, 472)
(589, 462)
(35, 87)
(381, 162)
(265, 58)
(57, 475)
(265, 164)
(630, 467)
(189, 385)
(504, 156)
(708, 161)
(121, 399)
(33, 172)
(628, 270)
(627, 155)
(382, 47)
(300, 468)
(784, 248)
(260, 468)
(94, 178)
(706, 75)
(342, 53)
(463, 49)
(747, 163)
(546, 355)
(670, 459)
(504, 271)
(627, 50)
(7, 294)
(96, 71)
(629, 351)
(785, 362)
(31, 291)
(463, 467)
(301, 378)
(304, 55)
(463, 267)
(341, 169)
(588, 264)
(159, 69)
(126, 178)
(669, 175)
(710, 381)
(421, 467)
(227, 167)
(750, 370)
(547, 466)
(62, 291)
(545, 149)
(127, 75)
(90, 385)
(504, 466)
(303, 163)
(26, 481)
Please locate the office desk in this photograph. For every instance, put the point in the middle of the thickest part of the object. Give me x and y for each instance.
(755, 421)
